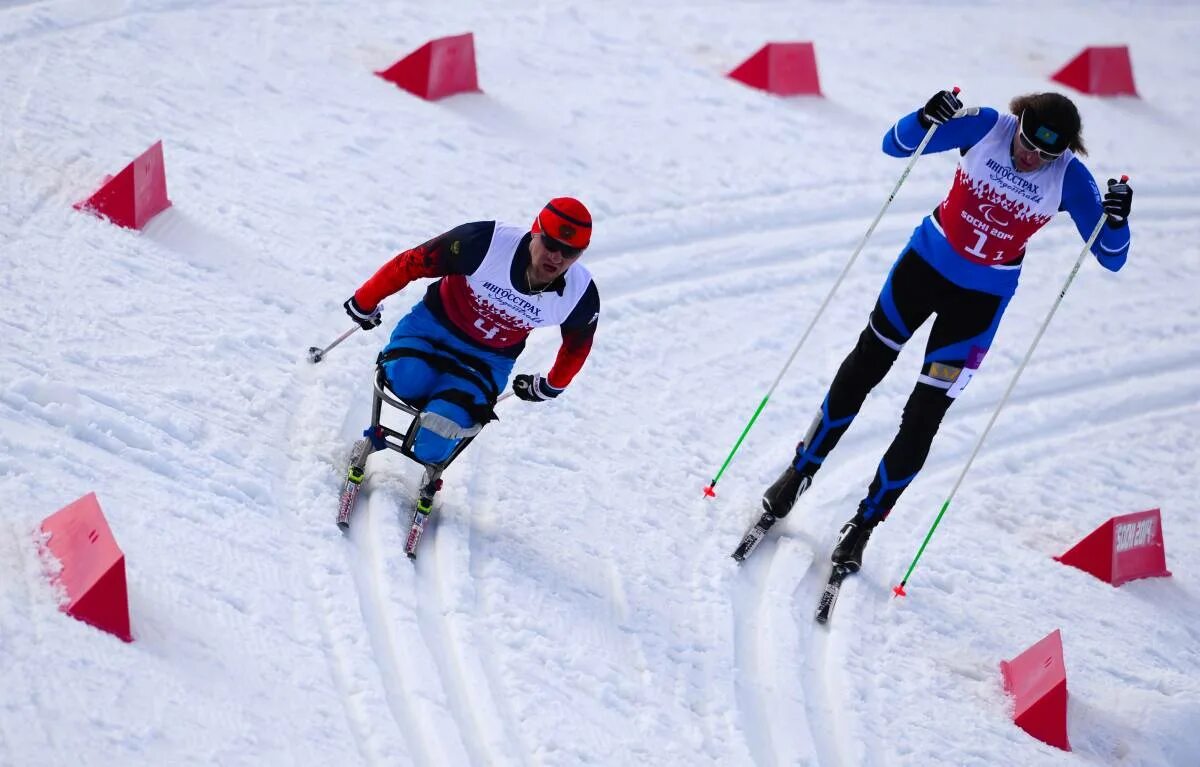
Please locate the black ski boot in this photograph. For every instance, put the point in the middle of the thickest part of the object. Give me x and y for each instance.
(777, 502)
(854, 536)
(782, 494)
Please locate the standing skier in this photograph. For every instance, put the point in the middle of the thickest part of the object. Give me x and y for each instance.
(452, 354)
(961, 264)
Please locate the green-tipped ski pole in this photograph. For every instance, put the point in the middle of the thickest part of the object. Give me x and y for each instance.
(898, 591)
(710, 491)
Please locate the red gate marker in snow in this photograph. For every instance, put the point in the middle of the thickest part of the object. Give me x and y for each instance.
(135, 195)
(93, 567)
(1037, 679)
(784, 69)
(1124, 548)
(1099, 70)
(437, 69)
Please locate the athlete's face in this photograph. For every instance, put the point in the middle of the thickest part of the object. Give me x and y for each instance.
(549, 259)
(1025, 159)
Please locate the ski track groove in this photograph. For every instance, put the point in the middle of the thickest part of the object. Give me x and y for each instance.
(432, 606)
(366, 563)
(357, 717)
(477, 486)
(793, 575)
(323, 590)
(752, 709)
(824, 725)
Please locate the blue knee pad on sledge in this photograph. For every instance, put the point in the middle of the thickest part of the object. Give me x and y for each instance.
(431, 447)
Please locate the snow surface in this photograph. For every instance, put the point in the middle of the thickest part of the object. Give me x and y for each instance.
(574, 601)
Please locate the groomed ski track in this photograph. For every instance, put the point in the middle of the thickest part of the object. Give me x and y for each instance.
(422, 664)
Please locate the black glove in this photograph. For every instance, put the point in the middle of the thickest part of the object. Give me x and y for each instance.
(534, 388)
(366, 320)
(940, 108)
(1117, 201)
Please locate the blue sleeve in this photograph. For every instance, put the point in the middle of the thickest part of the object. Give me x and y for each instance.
(963, 132)
(1081, 200)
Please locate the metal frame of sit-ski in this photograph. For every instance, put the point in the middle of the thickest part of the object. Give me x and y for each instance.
(386, 437)
(380, 437)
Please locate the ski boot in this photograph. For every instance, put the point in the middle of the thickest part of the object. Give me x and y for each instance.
(854, 536)
(777, 501)
(782, 494)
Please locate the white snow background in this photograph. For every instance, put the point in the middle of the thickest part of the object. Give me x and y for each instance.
(574, 601)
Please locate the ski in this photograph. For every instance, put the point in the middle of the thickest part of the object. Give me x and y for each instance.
(430, 484)
(753, 537)
(830, 594)
(354, 479)
(416, 527)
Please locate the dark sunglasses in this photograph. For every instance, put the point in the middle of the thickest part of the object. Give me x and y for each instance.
(557, 246)
(1029, 146)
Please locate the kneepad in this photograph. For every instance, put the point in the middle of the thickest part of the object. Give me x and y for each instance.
(440, 427)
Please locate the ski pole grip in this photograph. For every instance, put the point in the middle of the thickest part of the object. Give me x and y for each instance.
(956, 90)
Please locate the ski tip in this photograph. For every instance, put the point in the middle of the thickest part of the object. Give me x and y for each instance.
(898, 591)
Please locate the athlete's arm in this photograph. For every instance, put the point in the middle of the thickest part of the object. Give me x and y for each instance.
(458, 251)
(578, 330)
(903, 138)
(1081, 200)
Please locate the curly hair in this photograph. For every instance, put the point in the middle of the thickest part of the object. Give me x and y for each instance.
(1054, 109)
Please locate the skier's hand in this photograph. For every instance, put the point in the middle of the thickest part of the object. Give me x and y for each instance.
(534, 388)
(940, 108)
(1117, 201)
(366, 320)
